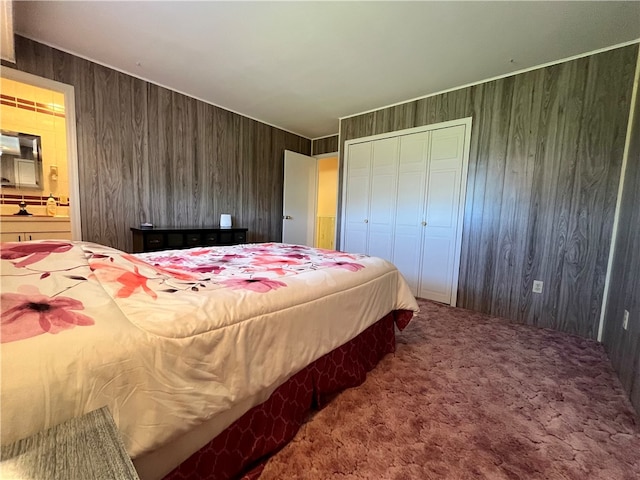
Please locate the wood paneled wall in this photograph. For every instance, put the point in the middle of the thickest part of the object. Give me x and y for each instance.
(622, 345)
(546, 152)
(324, 145)
(147, 153)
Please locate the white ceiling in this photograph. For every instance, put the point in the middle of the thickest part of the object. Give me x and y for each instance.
(303, 65)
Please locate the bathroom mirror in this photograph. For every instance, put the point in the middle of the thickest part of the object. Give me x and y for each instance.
(20, 160)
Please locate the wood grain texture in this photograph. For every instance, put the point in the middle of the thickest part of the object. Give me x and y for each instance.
(324, 145)
(545, 159)
(622, 345)
(147, 154)
(85, 447)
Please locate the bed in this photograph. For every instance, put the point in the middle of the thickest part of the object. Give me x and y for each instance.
(189, 347)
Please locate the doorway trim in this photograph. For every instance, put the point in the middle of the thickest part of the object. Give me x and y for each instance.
(72, 140)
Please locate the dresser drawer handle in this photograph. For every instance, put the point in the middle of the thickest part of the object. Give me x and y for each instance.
(153, 241)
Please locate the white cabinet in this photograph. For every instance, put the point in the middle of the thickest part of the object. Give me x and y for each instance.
(21, 229)
(403, 202)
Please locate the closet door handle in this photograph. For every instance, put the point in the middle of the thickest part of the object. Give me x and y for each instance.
(366, 220)
(424, 224)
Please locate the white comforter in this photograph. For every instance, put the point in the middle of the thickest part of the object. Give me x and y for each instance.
(172, 339)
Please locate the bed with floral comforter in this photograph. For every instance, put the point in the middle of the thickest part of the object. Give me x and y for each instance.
(171, 339)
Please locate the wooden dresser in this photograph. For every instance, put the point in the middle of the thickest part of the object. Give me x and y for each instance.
(165, 238)
(16, 228)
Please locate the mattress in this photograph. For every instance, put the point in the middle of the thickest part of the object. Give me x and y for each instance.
(173, 340)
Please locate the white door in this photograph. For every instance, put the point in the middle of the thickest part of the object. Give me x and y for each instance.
(442, 217)
(382, 197)
(299, 199)
(356, 209)
(412, 180)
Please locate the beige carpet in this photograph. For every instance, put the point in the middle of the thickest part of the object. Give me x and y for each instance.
(470, 396)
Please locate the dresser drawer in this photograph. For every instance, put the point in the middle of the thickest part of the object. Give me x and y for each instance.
(240, 237)
(210, 239)
(225, 238)
(154, 241)
(175, 240)
(192, 239)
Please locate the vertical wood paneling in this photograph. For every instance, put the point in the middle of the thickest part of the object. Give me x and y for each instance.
(180, 164)
(141, 188)
(324, 145)
(147, 154)
(108, 162)
(511, 287)
(204, 180)
(546, 149)
(543, 205)
(569, 124)
(86, 131)
(126, 127)
(622, 345)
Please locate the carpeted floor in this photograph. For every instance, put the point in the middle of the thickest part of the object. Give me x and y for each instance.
(470, 396)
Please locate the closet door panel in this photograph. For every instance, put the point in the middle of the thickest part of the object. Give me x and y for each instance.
(442, 210)
(436, 259)
(442, 204)
(382, 204)
(357, 198)
(412, 174)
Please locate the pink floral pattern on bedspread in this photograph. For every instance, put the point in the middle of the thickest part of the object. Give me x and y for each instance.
(252, 267)
(26, 315)
(65, 267)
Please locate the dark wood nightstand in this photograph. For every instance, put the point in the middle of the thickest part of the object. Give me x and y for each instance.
(87, 447)
(166, 238)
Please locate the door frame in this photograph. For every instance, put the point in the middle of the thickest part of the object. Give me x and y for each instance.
(467, 122)
(72, 146)
(335, 227)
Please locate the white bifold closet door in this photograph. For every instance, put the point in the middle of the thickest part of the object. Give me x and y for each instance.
(412, 179)
(402, 203)
(442, 204)
(382, 198)
(356, 216)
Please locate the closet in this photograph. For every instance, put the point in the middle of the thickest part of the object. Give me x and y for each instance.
(403, 200)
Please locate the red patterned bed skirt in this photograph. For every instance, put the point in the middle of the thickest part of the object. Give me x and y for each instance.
(242, 450)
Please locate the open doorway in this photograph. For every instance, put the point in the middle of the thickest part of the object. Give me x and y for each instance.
(310, 199)
(327, 201)
(42, 109)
